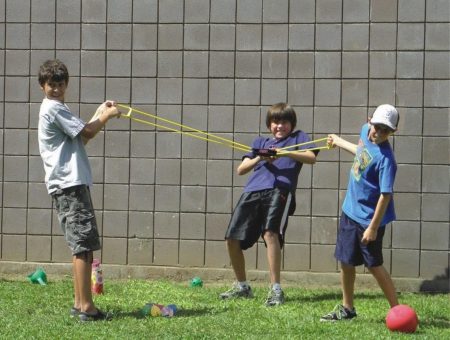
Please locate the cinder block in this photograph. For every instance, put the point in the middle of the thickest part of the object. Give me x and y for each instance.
(407, 149)
(247, 91)
(435, 207)
(165, 252)
(92, 90)
(436, 65)
(115, 223)
(168, 145)
(328, 37)
(116, 197)
(13, 247)
(222, 37)
(322, 258)
(435, 236)
(248, 37)
(356, 11)
(383, 36)
(216, 226)
(219, 173)
(296, 257)
(410, 64)
(38, 196)
(434, 264)
(145, 36)
(140, 251)
(218, 199)
(93, 63)
(327, 92)
(249, 11)
(223, 11)
(221, 64)
(405, 263)
(381, 91)
(382, 64)
(93, 37)
(167, 225)
(275, 11)
(437, 11)
(324, 230)
(142, 171)
(196, 36)
(300, 92)
(192, 226)
(170, 37)
(411, 10)
(68, 36)
(410, 92)
(301, 37)
(15, 194)
(437, 36)
(119, 10)
(412, 125)
(94, 11)
(145, 11)
(192, 253)
(328, 10)
(167, 198)
(325, 175)
(275, 37)
(408, 178)
(383, 10)
(324, 202)
(302, 11)
(195, 91)
(38, 248)
(354, 92)
(114, 250)
(195, 64)
(171, 11)
(18, 11)
(168, 171)
(140, 224)
(60, 251)
(355, 37)
(220, 118)
(68, 10)
(144, 64)
(298, 230)
(142, 144)
(221, 91)
(406, 234)
(14, 221)
(39, 221)
(15, 168)
(434, 150)
(193, 172)
(436, 93)
(328, 64)
(170, 63)
(117, 170)
(193, 199)
(169, 91)
(407, 206)
(326, 119)
(435, 179)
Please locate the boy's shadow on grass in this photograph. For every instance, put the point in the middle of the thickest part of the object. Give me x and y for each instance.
(331, 296)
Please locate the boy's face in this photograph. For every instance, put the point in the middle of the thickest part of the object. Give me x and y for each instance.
(281, 128)
(379, 133)
(55, 89)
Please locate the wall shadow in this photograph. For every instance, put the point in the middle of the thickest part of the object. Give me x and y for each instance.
(439, 284)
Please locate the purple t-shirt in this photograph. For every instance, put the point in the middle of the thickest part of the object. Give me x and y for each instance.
(281, 173)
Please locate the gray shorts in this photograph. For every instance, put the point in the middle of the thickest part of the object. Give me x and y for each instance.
(77, 219)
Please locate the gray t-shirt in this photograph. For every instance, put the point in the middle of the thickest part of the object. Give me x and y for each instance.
(62, 150)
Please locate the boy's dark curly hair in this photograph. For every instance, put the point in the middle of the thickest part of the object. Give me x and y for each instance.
(53, 70)
(281, 111)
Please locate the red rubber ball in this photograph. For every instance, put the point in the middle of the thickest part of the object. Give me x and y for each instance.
(402, 318)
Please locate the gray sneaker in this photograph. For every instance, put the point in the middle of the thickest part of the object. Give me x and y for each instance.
(339, 313)
(275, 298)
(237, 292)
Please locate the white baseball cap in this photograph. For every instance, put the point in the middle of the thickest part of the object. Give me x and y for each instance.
(387, 115)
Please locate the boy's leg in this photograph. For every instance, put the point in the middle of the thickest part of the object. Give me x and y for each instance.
(348, 275)
(82, 276)
(385, 282)
(76, 288)
(237, 259)
(273, 255)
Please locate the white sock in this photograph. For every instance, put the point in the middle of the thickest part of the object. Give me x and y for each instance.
(276, 287)
(243, 284)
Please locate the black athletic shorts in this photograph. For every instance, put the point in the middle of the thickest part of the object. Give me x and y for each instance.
(257, 212)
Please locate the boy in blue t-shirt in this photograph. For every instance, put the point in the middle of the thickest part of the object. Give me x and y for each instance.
(368, 207)
(267, 200)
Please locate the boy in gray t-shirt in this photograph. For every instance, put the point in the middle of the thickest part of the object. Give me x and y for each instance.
(62, 137)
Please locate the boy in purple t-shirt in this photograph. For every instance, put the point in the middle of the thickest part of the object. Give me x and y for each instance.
(267, 200)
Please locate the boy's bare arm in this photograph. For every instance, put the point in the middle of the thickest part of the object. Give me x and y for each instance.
(334, 140)
(370, 234)
(104, 112)
(248, 164)
(307, 157)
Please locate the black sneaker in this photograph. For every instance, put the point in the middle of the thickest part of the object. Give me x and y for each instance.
(74, 312)
(98, 316)
(237, 292)
(339, 313)
(275, 298)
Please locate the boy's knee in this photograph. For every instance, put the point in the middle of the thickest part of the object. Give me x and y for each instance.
(270, 236)
(87, 256)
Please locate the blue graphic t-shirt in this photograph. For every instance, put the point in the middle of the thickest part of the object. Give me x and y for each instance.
(372, 173)
(281, 173)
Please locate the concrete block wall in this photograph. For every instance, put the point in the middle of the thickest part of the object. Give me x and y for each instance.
(165, 199)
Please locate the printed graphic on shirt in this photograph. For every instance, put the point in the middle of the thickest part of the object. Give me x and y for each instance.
(362, 160)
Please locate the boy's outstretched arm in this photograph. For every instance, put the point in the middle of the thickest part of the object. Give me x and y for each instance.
(248, 164)
(334, 140)
(307, 157)
(105, 112)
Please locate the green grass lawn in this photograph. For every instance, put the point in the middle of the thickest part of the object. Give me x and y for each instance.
(31, 311)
